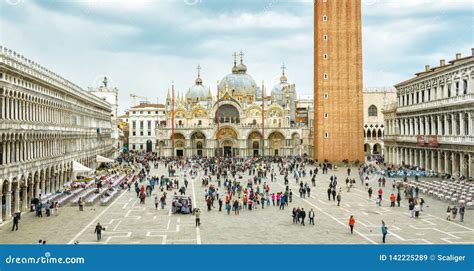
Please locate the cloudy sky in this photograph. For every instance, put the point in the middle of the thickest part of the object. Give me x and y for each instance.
(144, 45)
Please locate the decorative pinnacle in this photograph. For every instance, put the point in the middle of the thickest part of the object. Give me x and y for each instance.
(241, 56)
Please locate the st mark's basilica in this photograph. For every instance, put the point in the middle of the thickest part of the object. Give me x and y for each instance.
(240, 121)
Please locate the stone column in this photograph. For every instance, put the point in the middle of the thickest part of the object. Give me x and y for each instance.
(4, 154)
(434, 165)
(446, 162)
(427, 160)
(8, 204)
(461, 165)
(446, 125)
(416, 157)
(470, 167)
(37, 188)
(453, 163)
(461, 124)
(30, 193)
(17, 198)
(1, 207)
(470, 124)
(43, 186)
(439, 162)
(24, 197)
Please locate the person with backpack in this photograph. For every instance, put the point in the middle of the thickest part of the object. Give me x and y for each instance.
(98, 231)
(384, 229)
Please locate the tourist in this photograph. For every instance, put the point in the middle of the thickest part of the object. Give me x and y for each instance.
(339, 199)
(98, 231)
(197, 213)
(352, 223)
(16, 220)
(157, 201)
(411, 207)
(384, 231)
(294, 215)
(220, 204)
(56, 208)
(329, 192)
(39, 212)
(399, 198)
(311, 217)
(370, 191)
(448, 213)
(81, 204)
(303, 216)
(47, 208)
(392, 200)
(454, 211)
(282, 202)
(417, 209)
(380, 192)
(461, 212)
(422, 202)
(228, 207)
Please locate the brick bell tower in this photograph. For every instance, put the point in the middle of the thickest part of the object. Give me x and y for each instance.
(338, 100)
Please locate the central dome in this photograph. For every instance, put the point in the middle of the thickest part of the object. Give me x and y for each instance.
(239, 82)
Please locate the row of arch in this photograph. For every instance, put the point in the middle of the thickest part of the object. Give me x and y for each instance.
(18, 190)
(227, 139)
(373, 134)
(456, 123)
(23, 106)
(456, 163)
(20, 147)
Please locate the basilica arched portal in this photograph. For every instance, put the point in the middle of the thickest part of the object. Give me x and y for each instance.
(276, 141)
(228, 143)
(198, 143)
(254, 143)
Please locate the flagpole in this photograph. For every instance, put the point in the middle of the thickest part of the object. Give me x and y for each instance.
(263, 119)
(218, 114)
(172, 119)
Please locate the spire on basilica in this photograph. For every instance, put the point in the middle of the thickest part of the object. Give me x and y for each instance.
(283, 77)
(235, 69)
(198, 79)
(241, 68)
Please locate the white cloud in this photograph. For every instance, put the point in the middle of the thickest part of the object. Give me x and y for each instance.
(253, 21)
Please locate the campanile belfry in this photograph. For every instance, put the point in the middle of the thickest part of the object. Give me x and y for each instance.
(338, 100)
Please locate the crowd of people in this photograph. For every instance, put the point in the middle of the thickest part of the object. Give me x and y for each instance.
(235, 185)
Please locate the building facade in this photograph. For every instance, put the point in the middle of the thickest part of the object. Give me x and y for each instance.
(338, 100)
(240, 121)
(375, 99)
(110, 95)
(46, 123)
(431, 124)
(143, 121)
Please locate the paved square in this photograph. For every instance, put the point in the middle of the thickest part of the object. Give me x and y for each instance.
(129, 222)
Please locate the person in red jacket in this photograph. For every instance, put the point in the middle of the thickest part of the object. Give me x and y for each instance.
(392, 200)
(352, 223)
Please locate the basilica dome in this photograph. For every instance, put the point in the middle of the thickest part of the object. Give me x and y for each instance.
(277, 92)
(198, 91)
(239, 82)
